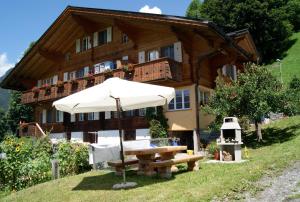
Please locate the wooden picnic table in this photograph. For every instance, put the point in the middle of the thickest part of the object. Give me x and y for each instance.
(148, 155)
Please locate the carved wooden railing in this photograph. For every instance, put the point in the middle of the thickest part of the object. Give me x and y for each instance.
(157, 70)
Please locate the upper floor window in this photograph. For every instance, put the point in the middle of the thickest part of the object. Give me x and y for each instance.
(142, 112)
(129, 113)
(230, 71)
(125, 38)
(181, 100)
(167, 51)
(85, 44)
(102, 37)
(80, 73)
(153, 55)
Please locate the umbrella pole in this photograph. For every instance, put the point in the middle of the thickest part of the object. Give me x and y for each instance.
(121, 138)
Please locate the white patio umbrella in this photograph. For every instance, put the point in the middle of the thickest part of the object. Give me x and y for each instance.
(116, 94)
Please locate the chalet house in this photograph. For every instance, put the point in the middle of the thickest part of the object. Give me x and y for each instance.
(84, 46)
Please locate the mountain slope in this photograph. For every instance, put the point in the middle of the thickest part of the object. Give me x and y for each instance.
(290, 63)
(4, 94)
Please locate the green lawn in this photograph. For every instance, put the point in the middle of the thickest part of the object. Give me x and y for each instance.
(291, 62)
(212, 180)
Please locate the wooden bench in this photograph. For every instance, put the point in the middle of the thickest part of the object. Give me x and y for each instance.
(117, 165)
(164, 166)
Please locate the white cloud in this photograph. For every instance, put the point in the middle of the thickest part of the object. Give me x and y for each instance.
(147, 9)
(4, 64)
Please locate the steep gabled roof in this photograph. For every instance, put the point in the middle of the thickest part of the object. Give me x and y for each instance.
(51, 39)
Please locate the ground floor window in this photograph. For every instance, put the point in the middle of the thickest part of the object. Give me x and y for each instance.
(181, 100)
(203, 97)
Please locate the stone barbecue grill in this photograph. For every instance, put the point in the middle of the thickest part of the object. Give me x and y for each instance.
(230, 140)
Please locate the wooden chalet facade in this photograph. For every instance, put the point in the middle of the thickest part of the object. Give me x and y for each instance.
(84, 46)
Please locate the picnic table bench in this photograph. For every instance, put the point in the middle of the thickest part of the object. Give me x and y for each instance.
(164, 166)
(117, 164)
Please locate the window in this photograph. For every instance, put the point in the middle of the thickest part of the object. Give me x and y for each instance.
(102, 37)
(181, 100)
(80, 73)
(72, 75)
(203, 97)
(153, 55)
(85, 44)
(114, 115)
(129, 113)
(81, 117)
(125, 38)
(142, 112)
(91, 116)
(49, 116)
(230, 71)
(167, 51)
(59, 116)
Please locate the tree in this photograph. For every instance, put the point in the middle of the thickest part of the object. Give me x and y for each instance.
(268, 21)
(292, 95)
(3, 124)
(193, 10)
(254, 94)
(293, 9)
(17, 112)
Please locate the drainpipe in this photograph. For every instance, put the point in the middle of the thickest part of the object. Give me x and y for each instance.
(196, 134)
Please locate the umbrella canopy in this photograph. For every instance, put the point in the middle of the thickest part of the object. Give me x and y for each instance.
(102, 97)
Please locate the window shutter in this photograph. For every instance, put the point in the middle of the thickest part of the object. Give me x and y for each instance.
(55, 79)
(107, 115)
(142, 57)
(178, 51)
(89, 42)
(44, 118)
(86, 71)
(224, 70)
(66, 76)
(95, 39)
(109, 34)
(96, 115)
(39, 83)
(234, 72)
(73, 118)
(77, 45)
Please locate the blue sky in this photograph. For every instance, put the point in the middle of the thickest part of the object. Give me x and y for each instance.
(25, 21)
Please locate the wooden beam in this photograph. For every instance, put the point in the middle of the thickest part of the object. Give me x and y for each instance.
(88, 26)
(209, 40)
(127, 29)
(51, 56)
(184, 38)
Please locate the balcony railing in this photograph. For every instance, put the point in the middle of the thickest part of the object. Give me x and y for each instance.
(157, 70)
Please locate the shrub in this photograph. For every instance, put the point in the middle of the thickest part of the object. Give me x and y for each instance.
(212, 148)
(25, 164)
(73, 158)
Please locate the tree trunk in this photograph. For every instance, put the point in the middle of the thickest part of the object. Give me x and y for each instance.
(258, 131)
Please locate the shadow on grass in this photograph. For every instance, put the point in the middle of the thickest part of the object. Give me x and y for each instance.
(271, 136)
(107, 180)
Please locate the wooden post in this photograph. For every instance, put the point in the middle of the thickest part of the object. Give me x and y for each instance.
(196, 141)
(55, 169)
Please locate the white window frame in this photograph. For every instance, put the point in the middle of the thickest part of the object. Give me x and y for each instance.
(183, 101)
(142, 112)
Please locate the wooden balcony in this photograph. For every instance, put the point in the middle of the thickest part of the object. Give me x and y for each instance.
(161, 69)
(157, 70)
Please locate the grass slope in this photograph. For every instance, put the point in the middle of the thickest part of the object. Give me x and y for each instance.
(291, 62)
(212, 180)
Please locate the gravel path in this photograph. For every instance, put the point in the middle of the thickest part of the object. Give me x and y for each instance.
(279, 188)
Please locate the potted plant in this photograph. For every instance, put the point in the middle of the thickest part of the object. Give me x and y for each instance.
(35, 89)
(60, 83)
(214, 150)
(90, 77)
(108, 73)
